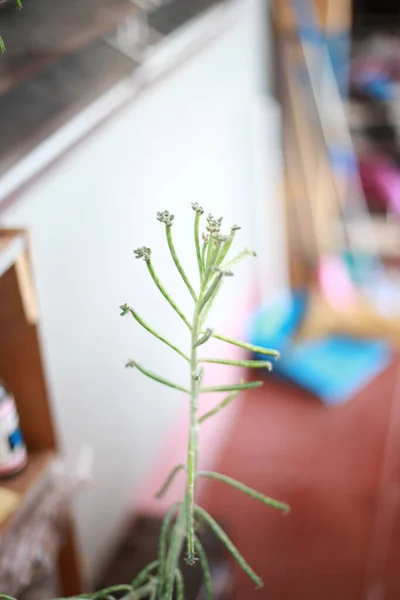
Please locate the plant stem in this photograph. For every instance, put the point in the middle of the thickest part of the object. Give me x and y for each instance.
(251, 364)
(192, 442)
(197, 243)
(169, 480)
(178, 263)
(125, 308)
(246, 345)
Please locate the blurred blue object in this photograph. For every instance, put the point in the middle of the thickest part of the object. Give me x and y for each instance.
(333, 368)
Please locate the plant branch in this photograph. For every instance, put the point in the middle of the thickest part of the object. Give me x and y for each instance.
(247, 346)
(247, 490)
(144, 573)
(205, 516)
(178, 263)
(180, 591)
(206, 569)
(238, 258)
(177, 538)
(204, 338)
(162, 543)
(252, 364)
(169, 480)
(125, 309)
(133, 364)
(219, 407)
(247, 385)
(165, 293)
(199, 212)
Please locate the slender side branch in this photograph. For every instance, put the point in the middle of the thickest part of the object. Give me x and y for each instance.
(180, 591)
(125, 309)
(252, 364)
(206, 569)
(165, 294)
(162, 543)
(229, 544)
(144, 573)
(219, 407)
(133, 364)
(178, 263)
(247, 490)
(247, 385)
(169, 480)
(177, 539)
(247, 346)
(199, 211)
(204, 338)
(238, 258)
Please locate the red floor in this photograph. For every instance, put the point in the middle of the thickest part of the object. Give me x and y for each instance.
(326, 463)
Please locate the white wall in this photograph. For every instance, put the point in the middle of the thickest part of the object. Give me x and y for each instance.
(188, 139)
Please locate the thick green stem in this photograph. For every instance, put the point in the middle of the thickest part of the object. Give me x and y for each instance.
(192, 442)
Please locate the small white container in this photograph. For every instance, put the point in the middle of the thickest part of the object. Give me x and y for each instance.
(13, 455)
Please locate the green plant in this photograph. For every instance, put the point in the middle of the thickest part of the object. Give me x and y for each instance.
(162, 578)
(2, 44)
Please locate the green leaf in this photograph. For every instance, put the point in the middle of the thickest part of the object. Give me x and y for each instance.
(247, 385)
(229, 545)
(132, 364)
(252, 364)
(177, 539)
(178, 263)
(204, 338)
(165, 293)
(197, 242)
(247, 490)
(125, 309)
(238, 258)
(247, 346)
(219, 407)
(142, 576)
(162, 543)
(180, 591)
(2, 49)
(206, 569)
(169, 480)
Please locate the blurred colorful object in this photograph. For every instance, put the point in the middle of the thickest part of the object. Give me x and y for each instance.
(333, 368)
(381, 183)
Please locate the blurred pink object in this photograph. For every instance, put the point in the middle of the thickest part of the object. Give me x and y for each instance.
(381, 182)
(336, 285)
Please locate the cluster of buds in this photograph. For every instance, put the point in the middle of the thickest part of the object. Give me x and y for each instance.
(143, 252)
(165, 217)
(213, 225)
(222, 273)
(197, 208)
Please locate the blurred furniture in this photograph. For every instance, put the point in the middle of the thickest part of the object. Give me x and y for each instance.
(311, 193)
(40, 529)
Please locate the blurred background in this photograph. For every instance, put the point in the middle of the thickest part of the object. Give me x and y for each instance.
(283, 117)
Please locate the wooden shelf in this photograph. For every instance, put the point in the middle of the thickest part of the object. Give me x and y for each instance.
(25, 483)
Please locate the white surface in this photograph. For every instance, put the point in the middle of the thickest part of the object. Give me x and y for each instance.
(187, 139)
